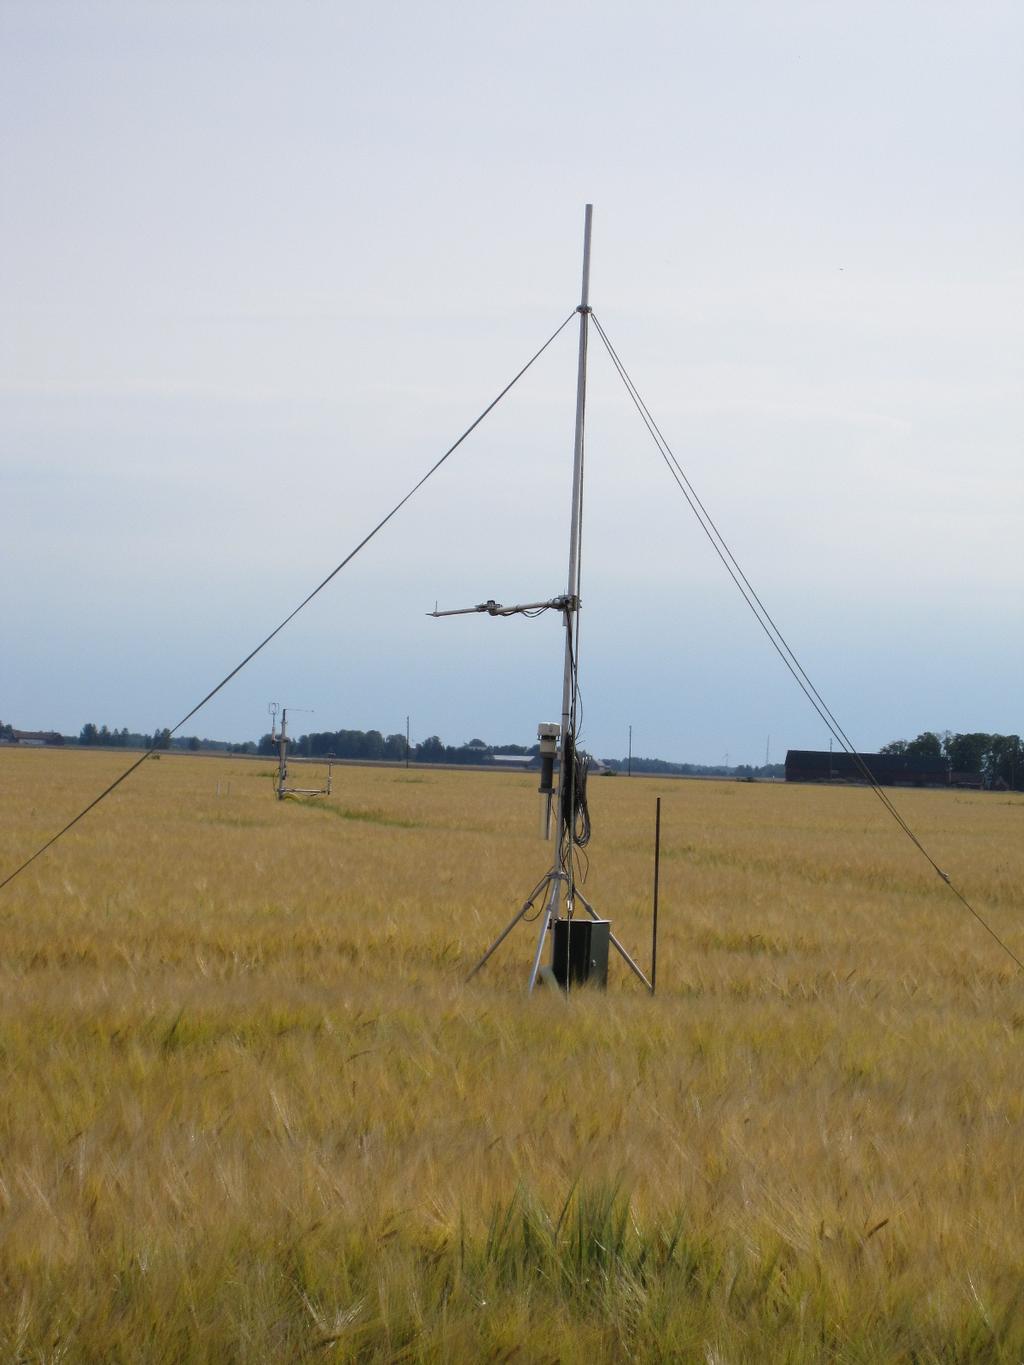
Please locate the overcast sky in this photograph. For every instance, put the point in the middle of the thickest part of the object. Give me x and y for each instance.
(262, 263)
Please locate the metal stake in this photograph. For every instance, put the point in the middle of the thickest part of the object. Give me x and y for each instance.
(657, 871)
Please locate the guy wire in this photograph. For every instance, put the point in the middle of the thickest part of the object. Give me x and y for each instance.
(291, 615)
(775, 636)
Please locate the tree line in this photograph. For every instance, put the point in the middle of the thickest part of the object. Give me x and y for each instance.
(371, 745)
(662, 765)
(100, 736)
(999, 759)
(375, 747)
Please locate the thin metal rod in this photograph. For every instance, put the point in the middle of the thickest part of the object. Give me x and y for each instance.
(633, 966)
(566, 768)
(493, 608)
(550, 908)
(654, 917)
(282, 756)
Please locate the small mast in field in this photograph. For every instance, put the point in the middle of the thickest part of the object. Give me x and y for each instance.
(280, 738)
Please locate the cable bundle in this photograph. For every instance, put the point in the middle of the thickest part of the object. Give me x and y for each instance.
(575, 811)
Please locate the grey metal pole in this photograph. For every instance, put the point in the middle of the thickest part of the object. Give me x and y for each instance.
(282, 756)
(629, 761)
(407, 741)
(657, 873)
(566, 769)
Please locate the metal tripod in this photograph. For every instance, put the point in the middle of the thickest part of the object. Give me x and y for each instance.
(552, 880)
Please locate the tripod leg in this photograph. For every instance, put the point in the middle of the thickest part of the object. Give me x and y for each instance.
(616, 944)
(545, 923)
(637, 971)
(527, 905)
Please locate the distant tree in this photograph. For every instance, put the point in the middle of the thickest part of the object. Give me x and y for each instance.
(967, 753)
(6, 731)
(193, 743)
(430, 750)
(1006, 761)
(89, 734)
(162, 739)
(897, 746)
(394, 748)
(345, 743)
(927, 745)
(373, 745)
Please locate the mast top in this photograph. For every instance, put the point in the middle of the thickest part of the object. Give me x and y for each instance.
(587, 221)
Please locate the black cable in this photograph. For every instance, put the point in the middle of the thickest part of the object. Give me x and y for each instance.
(575, 811)
(774, 634)
(291, 615)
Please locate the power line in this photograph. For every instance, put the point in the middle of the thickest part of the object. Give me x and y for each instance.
(291, 615)
(776, 638)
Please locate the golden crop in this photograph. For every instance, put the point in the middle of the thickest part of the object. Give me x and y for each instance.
(252, 1112)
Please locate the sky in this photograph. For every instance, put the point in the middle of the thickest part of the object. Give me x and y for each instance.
(263, 263)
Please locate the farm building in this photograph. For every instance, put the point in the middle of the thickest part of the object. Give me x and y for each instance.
(37, 738)
(531, 763)
(888, 770)
(516, 762)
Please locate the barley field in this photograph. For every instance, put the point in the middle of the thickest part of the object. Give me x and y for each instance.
(252, 1112)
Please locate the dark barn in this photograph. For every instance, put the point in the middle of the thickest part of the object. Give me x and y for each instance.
(888, 770)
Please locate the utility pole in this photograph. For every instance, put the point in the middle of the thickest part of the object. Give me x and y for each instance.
(407, 741)
(629, 760)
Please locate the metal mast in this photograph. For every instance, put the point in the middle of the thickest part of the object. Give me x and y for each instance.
(566, 775)
(562, 869)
